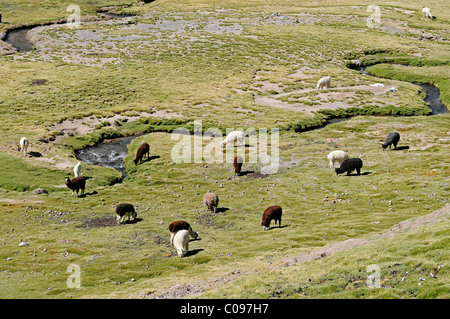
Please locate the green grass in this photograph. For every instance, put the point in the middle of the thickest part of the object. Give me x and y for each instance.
(436, 75)
(319, 208)
(16, 12)
(416, 270)
(233, 238)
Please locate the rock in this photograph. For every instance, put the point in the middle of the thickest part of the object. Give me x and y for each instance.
(40, 191)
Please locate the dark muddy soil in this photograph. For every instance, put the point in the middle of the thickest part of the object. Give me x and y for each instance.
(96, 222)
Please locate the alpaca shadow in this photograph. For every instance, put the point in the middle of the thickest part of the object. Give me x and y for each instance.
(245, 173)
(134, 221)
(35, 154)
(221, 209)
(400, 148)
(356, 174)
(193, 252)
(273, 227)
(88, 194)
(150, 158)
(245, 145)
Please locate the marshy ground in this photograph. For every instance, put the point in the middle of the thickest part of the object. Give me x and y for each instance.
(230, 65)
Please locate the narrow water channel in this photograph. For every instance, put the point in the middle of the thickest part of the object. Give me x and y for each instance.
(18, 39)
(109, 153)
(112, 152)
(432, 98)
(432, 94)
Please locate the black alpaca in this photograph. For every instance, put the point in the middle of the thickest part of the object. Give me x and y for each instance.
(349, 165)
(392, 139)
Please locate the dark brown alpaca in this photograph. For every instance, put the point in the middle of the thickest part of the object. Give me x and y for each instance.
(237, 164)
(144, 149)
(76, 184)
(272, 212)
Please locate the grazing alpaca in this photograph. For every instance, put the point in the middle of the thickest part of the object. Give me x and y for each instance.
(76, 184)
(144, 149)
(392, 139)
(237, 164)
(272, 212)
(324, 82)
(23, 146)
(337, 157)
(181, 242)
(178, 225)
(211, 200)
(426, 12)
(237, 137)
(349, 165)
(125, 210)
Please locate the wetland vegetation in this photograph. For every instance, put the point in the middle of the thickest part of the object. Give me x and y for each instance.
(230, 64)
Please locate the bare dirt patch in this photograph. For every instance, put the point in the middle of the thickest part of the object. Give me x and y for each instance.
(87, 124)
(188, 290)
(97, 222)
(405, 226)
(331, 99)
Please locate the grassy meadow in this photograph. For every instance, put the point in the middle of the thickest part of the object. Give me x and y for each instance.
(230, 64)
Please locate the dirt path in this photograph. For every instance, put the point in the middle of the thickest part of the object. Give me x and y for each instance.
(192, 289)
(402, 227)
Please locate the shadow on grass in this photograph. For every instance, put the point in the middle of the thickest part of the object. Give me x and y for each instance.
(149, 159)
(35, 154)
(134, 221)
(88, 194)
(356, 174)
(222, 209)
(193, 252)
(245, 173)
(273, 227)
(400, 148)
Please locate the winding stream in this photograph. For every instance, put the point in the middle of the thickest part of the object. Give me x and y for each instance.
(112, 152)
(109, 153)
(18, 39)
(431, 91)
(432, 98)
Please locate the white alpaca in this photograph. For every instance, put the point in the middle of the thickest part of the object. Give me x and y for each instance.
(426, 12)
(77, 169)
(337, 157)
(178, 225)
(181, 242)
(324, 82)
(232, 137)
(24, 143)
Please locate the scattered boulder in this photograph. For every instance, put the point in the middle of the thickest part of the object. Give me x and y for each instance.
(38, 191)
